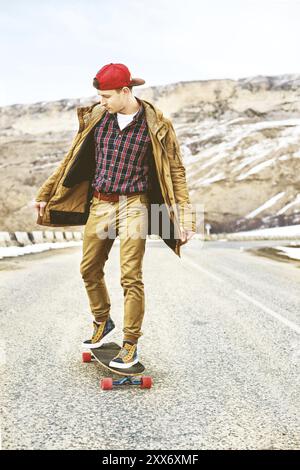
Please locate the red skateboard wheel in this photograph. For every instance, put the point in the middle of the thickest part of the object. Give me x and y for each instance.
(146, 382)
(107, 383)
(86, 357)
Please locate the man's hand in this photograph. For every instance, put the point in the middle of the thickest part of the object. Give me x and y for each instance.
(186, 235)
(40, 207)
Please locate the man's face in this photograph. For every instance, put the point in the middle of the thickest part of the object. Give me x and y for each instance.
(112, 100)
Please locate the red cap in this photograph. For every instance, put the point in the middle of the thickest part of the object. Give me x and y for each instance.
(113, 76)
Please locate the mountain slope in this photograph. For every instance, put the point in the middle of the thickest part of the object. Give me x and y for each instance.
(239, 141)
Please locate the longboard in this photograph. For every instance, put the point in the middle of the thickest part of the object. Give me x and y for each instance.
(104, 355)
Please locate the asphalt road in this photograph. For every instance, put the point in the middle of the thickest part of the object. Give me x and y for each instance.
(221, 341)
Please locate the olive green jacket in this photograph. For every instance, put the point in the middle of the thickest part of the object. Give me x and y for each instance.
(68, 190)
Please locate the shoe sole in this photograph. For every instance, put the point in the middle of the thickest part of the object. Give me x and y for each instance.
(117, 365)
(97, 345)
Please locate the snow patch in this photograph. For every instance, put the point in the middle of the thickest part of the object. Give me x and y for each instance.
(290, 204)
(293, 253)
(11, 251)
(213, 179)
(264, 206)
(256, 169)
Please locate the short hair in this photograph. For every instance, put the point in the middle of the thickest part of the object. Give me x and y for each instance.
(118, 90)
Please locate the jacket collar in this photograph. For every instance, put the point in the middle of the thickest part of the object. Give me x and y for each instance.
(155, 121)
(88, 116)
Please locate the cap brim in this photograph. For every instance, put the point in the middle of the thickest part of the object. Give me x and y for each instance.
(136, 82)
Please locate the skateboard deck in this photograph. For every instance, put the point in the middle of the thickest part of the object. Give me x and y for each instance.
(104, 355)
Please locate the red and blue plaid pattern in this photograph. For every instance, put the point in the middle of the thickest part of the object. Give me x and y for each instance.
(122, 155)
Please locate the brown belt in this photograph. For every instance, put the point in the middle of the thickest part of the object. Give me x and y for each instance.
(113, 197)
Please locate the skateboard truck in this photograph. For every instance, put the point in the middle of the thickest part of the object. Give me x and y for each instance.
(107, 383)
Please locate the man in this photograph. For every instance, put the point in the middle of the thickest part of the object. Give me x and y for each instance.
(126, 158)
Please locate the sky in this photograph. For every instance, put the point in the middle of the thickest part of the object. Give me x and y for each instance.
(52, 49)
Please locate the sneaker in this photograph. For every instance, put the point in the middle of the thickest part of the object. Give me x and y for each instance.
(126, 357)
(102, 331)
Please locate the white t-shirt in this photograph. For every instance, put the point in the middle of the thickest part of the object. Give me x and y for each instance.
(124, 119)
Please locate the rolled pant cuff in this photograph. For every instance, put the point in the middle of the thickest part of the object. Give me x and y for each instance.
(102, 318)
(130, 338)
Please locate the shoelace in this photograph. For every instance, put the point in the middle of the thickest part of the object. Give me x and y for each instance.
(98, 328)
(126, 350)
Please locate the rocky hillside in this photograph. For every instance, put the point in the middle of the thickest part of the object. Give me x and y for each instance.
(240, 142)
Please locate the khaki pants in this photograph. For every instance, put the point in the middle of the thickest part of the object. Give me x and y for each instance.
(128, 219)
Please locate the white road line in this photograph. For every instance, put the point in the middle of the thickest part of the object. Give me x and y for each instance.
(268, 310)
(208, 273)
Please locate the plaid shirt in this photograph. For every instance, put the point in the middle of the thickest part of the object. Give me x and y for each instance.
(122, 155)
